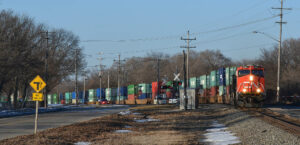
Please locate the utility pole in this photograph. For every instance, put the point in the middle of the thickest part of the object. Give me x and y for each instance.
(119, 71)
(188, 40)
(84, 77)
(76, 83)
(46, 67)
(185, 81)
(158, 87)
(108, 79)
(279, 48)
(100, 74)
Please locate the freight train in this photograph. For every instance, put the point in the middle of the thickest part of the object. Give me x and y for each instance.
(240, 86)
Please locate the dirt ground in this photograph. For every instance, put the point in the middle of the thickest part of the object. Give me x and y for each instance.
(172, 127)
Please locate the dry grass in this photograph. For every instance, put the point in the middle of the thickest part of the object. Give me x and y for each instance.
(174, 127)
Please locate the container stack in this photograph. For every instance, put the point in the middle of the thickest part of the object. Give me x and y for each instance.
(122, 96)
(100, 93)
(49, 99)
(222, 85)
(54, 99)
(132, 92)
(92, 96)
(73, 97)
(144, 91)
(61, 98)
(154, 89)
(68, 98)
(111, 94)
(213, 86)
(80, 97)
(230, 73)
(169, 91)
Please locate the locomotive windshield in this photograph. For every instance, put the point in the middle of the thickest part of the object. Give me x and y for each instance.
(259, 73)
(244, 72)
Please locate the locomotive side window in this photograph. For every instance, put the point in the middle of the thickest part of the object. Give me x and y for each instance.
(244, 72)
(259, 73)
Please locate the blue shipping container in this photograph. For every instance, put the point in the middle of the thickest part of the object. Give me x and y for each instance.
(80, 95)
(73, 95)
(123, 91)
(144, 96)
(221, 75)
(102, 93)
(61, 96)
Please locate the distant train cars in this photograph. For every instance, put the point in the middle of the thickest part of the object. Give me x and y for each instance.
(243, 86)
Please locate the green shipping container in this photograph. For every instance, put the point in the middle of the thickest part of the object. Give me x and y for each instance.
(3, 99)
(227, 76)
(213, 78)
(54, 99)
(145, 88)
(232, 73)
(92, 95)
(107, 92)
(132, 90)
(203, 81)
(194, 82)
(222, 90)
(49, 99)
(68, 98)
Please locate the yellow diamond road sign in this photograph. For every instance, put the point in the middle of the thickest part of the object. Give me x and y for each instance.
(37, 84)
(37, 97)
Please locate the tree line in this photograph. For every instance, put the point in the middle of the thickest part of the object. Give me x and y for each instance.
(144, 69)
(23, 50)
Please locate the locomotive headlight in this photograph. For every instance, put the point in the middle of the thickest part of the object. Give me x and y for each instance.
(258, 90)
(251, 78)
(244, 90)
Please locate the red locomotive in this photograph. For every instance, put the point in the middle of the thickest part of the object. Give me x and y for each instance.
(250, 86)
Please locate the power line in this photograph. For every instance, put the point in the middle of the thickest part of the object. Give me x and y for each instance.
(175, 37)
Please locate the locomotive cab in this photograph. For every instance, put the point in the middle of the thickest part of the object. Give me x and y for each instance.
(250, 86)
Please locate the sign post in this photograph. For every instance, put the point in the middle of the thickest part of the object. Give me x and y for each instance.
(37, 84)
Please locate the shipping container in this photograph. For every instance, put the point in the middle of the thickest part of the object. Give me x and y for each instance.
(132, 89)
(213, 78)
(92, 95)
(54, 99)
(73, 95)
(68, 98)
(123, 91)
(222, 79)
(102, 92)
(203, 81)
(49, 99)
(232, 73)
(213, 91)
(145, 88)
(222, 90)
(131, 97)
(3, 99)
(227, 76)
(194, 82)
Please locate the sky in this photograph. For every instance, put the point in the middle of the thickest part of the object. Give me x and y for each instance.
(139, 27)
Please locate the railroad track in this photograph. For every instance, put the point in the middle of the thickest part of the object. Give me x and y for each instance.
(283, 121)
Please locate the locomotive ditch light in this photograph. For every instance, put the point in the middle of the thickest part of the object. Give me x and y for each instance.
(251, 78)
(244, 90)
(258, 90)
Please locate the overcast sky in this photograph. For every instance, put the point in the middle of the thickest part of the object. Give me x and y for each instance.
(137, 27)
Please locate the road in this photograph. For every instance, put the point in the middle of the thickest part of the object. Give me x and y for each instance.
(22, 125)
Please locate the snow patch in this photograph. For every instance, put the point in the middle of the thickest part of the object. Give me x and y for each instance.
(125, 112)
(218, 135)
(127, 126)
(123, 131)
(82, 143)
(146, 120)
